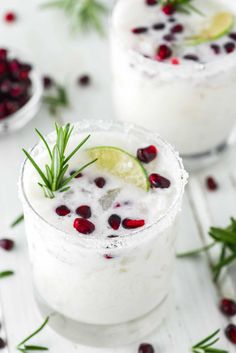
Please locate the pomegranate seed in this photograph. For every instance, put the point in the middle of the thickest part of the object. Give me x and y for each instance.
(169, 37)
(211, 184)
(168, 9)
(114, 221)
(10, 17)
(5, 87)
(175, 61)
(216, 48)
(3, 67)
(158, 181)
(84, 80)
(163, 53)
(24, 75)
(228, 307)
(6, 244)
(178, 28)
(139, 30)
(232, 36)
(84, 211)
(132, 223)
(230, 332)
(62, 210)
(3, 54)
(151, 2)
(146, 348)
(47, 82)
(14, 67)
(100, 182)
(17, 90)
(2, 343)
(11, 107)
(158, 26)
(108, 257)
(229, 47)
(147, 154)
(79, 175)
(84, 226)
(191, 57)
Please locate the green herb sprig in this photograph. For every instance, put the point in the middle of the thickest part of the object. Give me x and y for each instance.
(58, 100)
(23, 347)
(206, 345)
(184, 6)
(6, 273)
(53, 178)
(17, 221)
(84, 14)
(226, 238)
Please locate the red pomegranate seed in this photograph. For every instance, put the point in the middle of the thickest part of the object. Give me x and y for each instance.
(47, 82)
(191, 57)
(5, 87)
(17, 90)
(84, 80)
(151, 2)
(2, 343)
(229, 47)
(132, 223)
(3, 67)
(163, 53)
(158, 181)
(6, 244)
(3, 54)
(158, 26)
(168, 9)
(84, 211)
(147, 154)
(62, 210)
(228, 307)
(10, 17)
(216, 48)
(178, 28)
(108, 256)
(114, 221)
(100, 182)
(230, 332)
(211, 183)
(139, 30)
(84, 226)
(146, 348)
(11, 107)
(175, 61)
(169, 37)
(232, 36)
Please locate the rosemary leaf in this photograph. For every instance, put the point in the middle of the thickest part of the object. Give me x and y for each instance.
(35, 348)
(6, 273)
(22, 343)
(206, 345)
(18, 220)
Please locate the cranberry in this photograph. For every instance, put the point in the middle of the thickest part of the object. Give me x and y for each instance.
(216, 48)
(14, 68)
(3, 54)
(229, 47)
(79, 175)
(151, 2)
(230, 332)
(232, 36)
(139, 30)
(3, 67)
(191, 57)
(2, 343)
(132, 223)
(23, 74)
(84, 226)
(175, 61)
(228, 307)
(146, 348)
(158, 26)
(100, 182)
(84, 80)
(163, 52)
(178, 28)
(158, 181)
(17, 90)
(47, 82)
(211, 183)
(169, 37)
(108, 256)
(10, 17)
(6, 244)
(114, 221)
(168, 9)
(84, 211)
(62, 210)
(147, 154)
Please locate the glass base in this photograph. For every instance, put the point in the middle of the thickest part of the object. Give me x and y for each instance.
(105, 335)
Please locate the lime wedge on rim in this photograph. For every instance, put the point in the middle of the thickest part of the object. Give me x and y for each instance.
(120, 164)
(220, 25)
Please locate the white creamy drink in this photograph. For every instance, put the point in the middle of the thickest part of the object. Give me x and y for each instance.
(102, 251)
(175, 72)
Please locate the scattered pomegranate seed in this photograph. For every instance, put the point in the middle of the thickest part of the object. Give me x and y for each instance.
(216, 48)
(79, 175)
(175, 61)
(230, 333)
(6, 244)
(232, 36)
(228, 307)
(2, 343)
(178, 28)
(158, 26)
(3, 54)
(132, 223)
(147, 154)
(100, 182)
(146, 348)
(163, 53)
(10, 17)
(158, 181)
(117, 204)
(84, 80)
(169, 37)
(84, 211)
(191, 57)
(168, 9)
(151, 2)
(229, 47)
(48, 82)
(108, 257)
(114, 221)
(62, 210)
(84, 226)
(211, 183)
(139, 30)
(3, 68)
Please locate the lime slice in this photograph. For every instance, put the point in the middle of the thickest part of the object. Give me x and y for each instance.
(120, 164)
(220, 25)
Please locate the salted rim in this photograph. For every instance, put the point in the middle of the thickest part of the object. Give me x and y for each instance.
(105, 126)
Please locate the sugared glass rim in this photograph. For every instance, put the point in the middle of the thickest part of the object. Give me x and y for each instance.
(88, 241)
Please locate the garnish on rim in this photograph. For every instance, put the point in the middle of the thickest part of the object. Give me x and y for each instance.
(206, 345)
(184, 6)
(53, 179)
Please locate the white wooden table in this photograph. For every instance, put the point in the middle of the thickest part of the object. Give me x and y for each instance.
(44, 36)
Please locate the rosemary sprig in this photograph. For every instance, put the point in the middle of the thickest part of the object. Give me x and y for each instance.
(18, 220)
(226, 237)
(22, 347)
(84, 14)
(58, 100)
(184, 6)
(6, 273)
(54, 177)
(206, 345)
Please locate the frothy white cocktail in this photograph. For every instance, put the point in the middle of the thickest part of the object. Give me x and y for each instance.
(102, 251)
(176, 72)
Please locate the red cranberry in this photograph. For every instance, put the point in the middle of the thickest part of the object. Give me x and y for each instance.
(228, 307)
(216, 48)
(47, 82)
(3, 67)
(6, 244)
(147, 154)
(232, 36)
(158, 181)
(2, 343)
(211, 184)
(230, 332)
(139, 30)
(17, 90)
(191, 57)
(3, 54)
(158, 26)
(151, 2)
(108, 257)
(132, 223)
(84, 211)
(178, 28)
(146, 348)
(100, 182)
(84, 226)
(10, 17)
(84, 80)
(114, 221)
(62, 210)
(168, 9)
(175, 61)
(163, 53)
(169, 37)
(229, 47)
